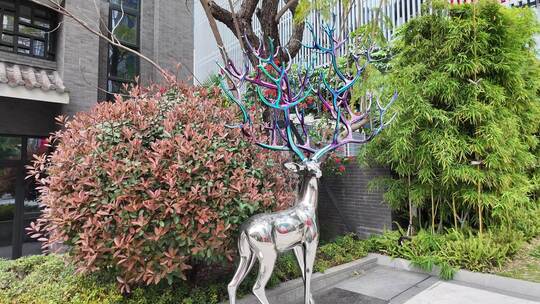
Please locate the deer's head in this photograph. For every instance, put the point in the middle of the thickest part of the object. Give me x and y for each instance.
(287, 129)
(305, 169)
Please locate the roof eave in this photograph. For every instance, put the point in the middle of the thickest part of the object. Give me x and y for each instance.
(22, 92)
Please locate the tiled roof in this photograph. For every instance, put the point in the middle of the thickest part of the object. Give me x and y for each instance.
(16, 75)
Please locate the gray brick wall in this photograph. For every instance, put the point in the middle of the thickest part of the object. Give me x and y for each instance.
(346, 204)
(148, 42)
(77, 58)
(166, 37)
(173, 35)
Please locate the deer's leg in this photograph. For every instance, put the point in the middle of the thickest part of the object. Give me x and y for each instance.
(299, 253)
(310, 249)
(267, 259)
(247, 259)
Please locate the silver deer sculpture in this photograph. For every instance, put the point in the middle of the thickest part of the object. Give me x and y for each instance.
(263, 236)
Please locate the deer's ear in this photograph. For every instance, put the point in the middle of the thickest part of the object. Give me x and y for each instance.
(294, 167)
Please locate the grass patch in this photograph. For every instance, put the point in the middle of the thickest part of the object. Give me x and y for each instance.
(535, 253)
(525, 265)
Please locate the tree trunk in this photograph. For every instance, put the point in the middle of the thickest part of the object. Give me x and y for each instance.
(241, 24)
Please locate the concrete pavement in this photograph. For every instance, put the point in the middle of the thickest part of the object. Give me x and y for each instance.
(387, 285)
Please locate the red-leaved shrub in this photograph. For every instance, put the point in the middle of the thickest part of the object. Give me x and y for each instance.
(147, 186)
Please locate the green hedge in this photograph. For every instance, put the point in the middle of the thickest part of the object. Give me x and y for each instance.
(456, 249)
(52, 279)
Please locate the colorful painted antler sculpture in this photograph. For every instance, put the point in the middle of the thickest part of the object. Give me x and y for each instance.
(263, 236)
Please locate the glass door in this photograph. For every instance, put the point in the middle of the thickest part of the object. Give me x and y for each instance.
(31, 210)
(18, 196)
(10, 161)
(8, 179)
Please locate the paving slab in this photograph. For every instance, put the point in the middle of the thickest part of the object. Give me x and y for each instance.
(383, 282)
(450, 293)
(342, 296)
(414, 290)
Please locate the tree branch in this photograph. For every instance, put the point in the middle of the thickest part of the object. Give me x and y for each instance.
(237, 26)
(222, 15)
(215, 30)
(247, 9)
(295, 41)
(283, 10)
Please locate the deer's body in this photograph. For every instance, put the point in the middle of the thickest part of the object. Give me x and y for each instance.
(264, 236)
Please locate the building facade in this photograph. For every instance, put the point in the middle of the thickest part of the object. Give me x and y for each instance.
(50, 65)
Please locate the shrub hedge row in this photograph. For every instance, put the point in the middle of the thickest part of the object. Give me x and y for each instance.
(52, 279)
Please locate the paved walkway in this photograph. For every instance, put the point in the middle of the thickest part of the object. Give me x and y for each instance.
(385, 285)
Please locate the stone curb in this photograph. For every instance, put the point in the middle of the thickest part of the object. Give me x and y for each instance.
(489, 281)
(293, 291)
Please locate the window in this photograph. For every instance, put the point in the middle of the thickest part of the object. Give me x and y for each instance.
(123, 66)
(27, 28)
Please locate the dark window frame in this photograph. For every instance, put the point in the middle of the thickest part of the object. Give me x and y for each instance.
(137, 46)
(49, 40)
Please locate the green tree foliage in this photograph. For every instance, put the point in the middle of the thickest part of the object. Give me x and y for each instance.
(464, 142)
(324, 7)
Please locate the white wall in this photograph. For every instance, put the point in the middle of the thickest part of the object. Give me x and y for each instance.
(206, 52)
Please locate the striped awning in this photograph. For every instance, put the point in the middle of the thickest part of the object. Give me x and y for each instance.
(25, 82)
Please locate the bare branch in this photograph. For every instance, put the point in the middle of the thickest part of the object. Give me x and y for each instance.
(295, 41)
(237, 26)
(101, 20)
(344, 17)
(83, 74)
(222, 15)
(283, 10)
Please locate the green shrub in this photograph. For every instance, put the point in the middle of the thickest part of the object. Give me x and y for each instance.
(452, 250)
(52, 279)
(474, 253)
(149, 187)
(526, 219)
(342, 250)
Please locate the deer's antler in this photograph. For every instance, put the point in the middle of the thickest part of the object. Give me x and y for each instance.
(287, 95)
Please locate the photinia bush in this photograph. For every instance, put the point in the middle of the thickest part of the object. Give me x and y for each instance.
(147, 187)
(337, 165)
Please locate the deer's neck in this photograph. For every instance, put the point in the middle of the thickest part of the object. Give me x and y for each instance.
(308, 192)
